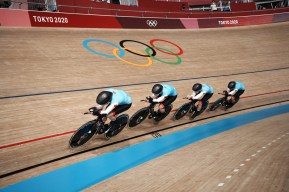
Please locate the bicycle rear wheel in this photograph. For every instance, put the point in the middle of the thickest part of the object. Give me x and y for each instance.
(216, 104)
(138, 117)
(119, 125)
(182, 111)
(83, 134)
(229, 105)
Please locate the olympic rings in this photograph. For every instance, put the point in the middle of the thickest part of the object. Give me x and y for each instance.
(166, 62)
(150, 62)
(85, 44)
(170, 53)
(122, 42)
(119, 51)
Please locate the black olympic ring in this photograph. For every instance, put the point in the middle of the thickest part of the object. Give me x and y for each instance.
(153, 54)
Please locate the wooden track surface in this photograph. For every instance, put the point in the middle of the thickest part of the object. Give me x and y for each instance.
(45, 73)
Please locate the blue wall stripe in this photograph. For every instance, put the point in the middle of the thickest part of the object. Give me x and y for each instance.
(92, 171)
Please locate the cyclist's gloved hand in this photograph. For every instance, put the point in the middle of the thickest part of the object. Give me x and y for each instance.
(103, 115)
(92, 109)
(95, 112)
(150, 99)
(225, 93)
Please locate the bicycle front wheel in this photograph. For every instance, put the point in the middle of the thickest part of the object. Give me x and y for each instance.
(182, 111)
(83, 134)
(138, 117)
(216, 104)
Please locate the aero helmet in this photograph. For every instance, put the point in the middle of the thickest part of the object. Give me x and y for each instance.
(157, 89)
(231, 85)
(103, 97)
(197, 87)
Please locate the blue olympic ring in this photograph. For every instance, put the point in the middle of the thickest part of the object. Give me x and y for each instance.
(85, 44)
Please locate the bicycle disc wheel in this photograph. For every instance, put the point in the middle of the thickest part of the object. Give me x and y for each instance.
(138, 117)
(229, 105)
(120, 124)
(163, 115)
(216, 104)
(182, 111)
(194, 114)
(83, 134)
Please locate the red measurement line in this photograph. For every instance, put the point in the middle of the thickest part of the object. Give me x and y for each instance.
(264, 94)
(37, 139)
(69, 132)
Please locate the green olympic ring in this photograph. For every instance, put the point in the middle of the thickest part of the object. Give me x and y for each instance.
(165, 62)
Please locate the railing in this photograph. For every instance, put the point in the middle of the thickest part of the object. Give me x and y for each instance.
(136, 13)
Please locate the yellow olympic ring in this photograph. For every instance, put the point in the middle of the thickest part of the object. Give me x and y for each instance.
(150, 61)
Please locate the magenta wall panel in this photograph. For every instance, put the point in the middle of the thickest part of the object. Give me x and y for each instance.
(150, 23)
(282, 17)
(209, 23)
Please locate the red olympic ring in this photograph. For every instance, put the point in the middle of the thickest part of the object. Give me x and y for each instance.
(180, 49)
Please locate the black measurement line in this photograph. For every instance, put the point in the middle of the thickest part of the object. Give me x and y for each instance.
(134, 84)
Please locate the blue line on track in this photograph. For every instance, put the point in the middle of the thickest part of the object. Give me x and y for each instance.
(133, 84)
(82, 175)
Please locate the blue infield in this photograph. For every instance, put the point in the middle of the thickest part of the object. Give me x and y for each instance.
(84, 174)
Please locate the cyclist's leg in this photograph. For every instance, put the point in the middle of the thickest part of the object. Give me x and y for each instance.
(207, 97)
(203, 100)
(236, 96)
(169, 100)
(119, 109)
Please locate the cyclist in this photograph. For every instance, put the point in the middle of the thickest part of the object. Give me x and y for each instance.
(111, 102)
(201, 94)
(234, 91)
(164, 94)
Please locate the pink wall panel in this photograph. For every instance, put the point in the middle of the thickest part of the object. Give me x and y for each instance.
(14, 18)
(190, 23)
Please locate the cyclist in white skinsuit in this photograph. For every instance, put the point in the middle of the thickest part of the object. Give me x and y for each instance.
(164, 94)
(111, 103)
(202, 93)
(234, 91)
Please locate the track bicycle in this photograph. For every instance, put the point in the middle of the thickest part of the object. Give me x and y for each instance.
(223, 102)
(189, 107)
(97, 126)
(149, 112)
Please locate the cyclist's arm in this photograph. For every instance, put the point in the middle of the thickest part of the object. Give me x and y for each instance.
(109, 109)
(233, 92)
(160, 99)
(199, 96)
(192, 95)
